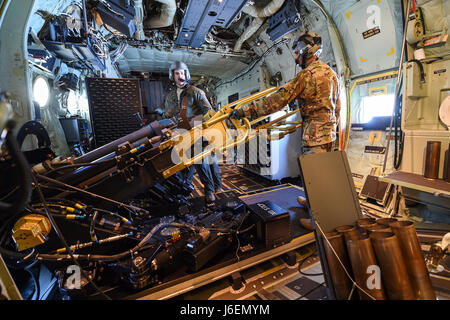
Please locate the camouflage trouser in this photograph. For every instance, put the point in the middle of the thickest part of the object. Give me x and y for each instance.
(322, 148)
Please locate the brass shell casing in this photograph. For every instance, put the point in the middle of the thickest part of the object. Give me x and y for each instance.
(414, 260)
(393, 269)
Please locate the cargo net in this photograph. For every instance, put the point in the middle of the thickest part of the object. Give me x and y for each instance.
(113, 105)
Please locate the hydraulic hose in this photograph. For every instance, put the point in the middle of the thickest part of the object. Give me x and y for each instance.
(24, 173)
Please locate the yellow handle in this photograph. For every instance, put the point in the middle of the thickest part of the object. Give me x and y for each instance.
(244, 131)
(227, 108)
(190, 161)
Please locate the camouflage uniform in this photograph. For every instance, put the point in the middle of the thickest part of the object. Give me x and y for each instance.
(317, 89)
(196, 104)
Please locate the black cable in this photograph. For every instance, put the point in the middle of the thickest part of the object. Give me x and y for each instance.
(115, 257)
(395, 132)
(52, 205)
(422, 73)
(63, 201)
(91, 226)
(54, 212)
(398, 150)
(237, 235)
(63, 240)
(13, 254)
(6, 225)
(230, 231)
(127, 207)
(24, 173)
(77, 165)
(246, 230)
(56, 188)
(398, 133)
(108, 212)
(303, 261)
(10, 193)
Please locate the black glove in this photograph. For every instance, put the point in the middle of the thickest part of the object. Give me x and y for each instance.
(236, 114)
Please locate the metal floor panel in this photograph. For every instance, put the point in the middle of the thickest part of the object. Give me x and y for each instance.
(280, 283)
(233, 178)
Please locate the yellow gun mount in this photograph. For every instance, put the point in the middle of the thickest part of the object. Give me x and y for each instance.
(220, 138)
(125, 167)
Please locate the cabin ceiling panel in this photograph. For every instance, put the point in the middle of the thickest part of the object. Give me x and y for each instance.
(152, 60)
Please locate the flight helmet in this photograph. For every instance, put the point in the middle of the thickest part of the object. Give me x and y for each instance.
(177, 65)
(309, 44)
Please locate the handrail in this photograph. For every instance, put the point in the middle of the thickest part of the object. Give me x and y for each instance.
(266, 125)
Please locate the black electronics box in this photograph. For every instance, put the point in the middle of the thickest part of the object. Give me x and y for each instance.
(273, 223)
(375, 189)
(118, 14)
(285, 20)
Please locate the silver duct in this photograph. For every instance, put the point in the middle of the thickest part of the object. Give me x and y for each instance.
(252, 28)
(259, 14)
(138, 6)
(169, 7)
(265, 12)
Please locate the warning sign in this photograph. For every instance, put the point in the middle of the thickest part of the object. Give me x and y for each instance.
(371, 32)
(373, 149)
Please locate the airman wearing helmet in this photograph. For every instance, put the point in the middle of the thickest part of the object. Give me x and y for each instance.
(186, 102)
(316, 87)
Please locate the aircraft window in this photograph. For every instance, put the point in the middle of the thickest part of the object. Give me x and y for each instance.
(375, 106)
(41, 91)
